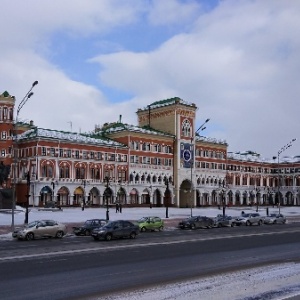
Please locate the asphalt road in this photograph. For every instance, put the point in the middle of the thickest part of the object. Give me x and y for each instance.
(80, 268)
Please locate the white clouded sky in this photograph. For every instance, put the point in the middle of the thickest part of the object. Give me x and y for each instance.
(238, 60)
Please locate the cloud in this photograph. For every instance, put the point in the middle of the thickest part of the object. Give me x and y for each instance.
(241, 71)
(172, 12)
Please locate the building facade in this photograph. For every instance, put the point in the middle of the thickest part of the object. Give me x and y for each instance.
(161, 161)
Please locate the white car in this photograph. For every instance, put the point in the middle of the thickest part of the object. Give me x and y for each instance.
(275, 219)
(40, 229)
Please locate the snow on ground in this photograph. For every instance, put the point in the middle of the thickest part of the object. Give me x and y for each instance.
(274, 282)
(71, 215)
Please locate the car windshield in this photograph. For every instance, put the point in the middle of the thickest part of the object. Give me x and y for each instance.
(88, 222)
(142, 220)
(191, 219)
(246, 215)
(32, 224)
(109, 225)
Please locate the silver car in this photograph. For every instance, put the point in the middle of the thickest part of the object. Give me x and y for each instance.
(40, 229)
(275, 219)
(221, 221)
(248, 219)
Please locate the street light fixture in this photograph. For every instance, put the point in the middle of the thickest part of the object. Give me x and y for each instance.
(107, 192)
(256, 190)
(28, 95)
(167, 196)
(288, 145)
(223, 189)
(27, 197)
(192, 160)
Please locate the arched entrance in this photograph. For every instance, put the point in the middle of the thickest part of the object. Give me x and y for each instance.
(121, 196)
(157, 198)
(237, 199)
(289, 199)
(198, 199)
(46, 196)
(63, 197)
(185, 194)
(145, 197)
(78, 196)
(108, 197)
(94, 197)
(133, 197)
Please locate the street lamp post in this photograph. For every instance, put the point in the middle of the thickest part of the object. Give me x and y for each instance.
(288, 145)
(269, 196)
(106, 196)
(223, 189)
(257, 192)
(15, 152)
(192, 160)
(27, 197)
(167, 196)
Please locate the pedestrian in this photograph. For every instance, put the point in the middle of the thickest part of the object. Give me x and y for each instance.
(120, 207)
(82, 206)
(150, 204)
(117, 207)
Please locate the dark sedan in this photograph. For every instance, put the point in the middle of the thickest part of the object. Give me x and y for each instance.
(88, 226)
(196, 222)
(116, 229)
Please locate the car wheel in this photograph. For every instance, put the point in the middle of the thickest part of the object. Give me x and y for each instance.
(96, 238)
(143, 229)
(29, 236)
(132, 235)
(59, 234)
(161, 228)
(259, 222)
(108, 237)
(284, 221)
(219, 225)
(192, 226)
(248, 223)
(275, 222)
(87, 232)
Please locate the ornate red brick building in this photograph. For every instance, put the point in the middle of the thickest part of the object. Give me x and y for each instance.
(159, 161)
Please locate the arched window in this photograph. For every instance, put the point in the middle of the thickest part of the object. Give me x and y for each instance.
(186, 128)
(47, 171)
(95, 173)
(80, 173)
(64, 172)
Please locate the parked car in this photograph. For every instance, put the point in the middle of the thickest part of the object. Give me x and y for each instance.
(40, 229)
(275, 219)
(248, 219)
(88, 226)
(150, 223)
(221, 221)
(116, 229)
(196, 222)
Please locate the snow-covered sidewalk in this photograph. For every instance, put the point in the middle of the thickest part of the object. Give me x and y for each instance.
(70, 215)
(276, 282)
